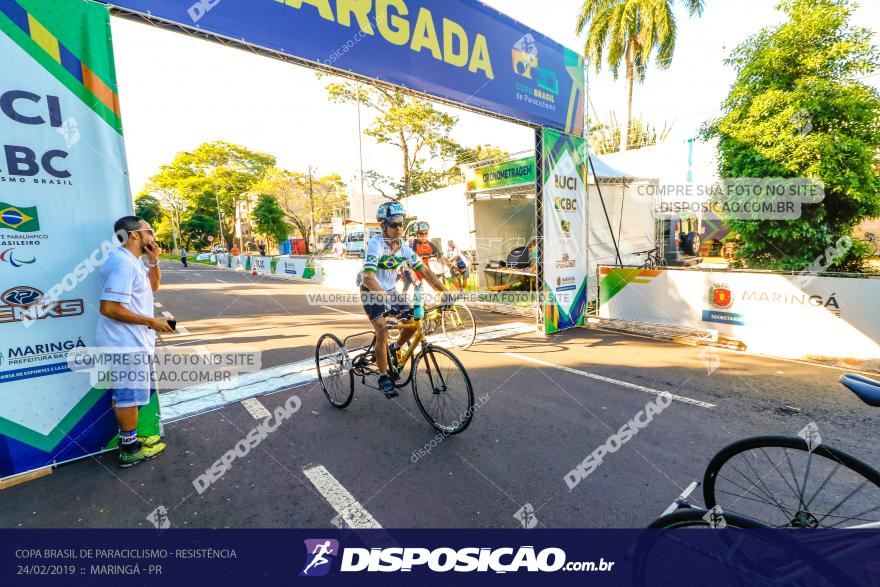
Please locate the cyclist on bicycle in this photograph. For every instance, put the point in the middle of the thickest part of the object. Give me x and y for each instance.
(458, 265)
(384, 256)
(425, 249)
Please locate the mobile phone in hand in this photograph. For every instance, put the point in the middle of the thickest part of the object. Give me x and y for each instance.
(172, 323)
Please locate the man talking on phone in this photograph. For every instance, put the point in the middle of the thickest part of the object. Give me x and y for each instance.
(127, 324)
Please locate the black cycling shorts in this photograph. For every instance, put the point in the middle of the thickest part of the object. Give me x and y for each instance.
(397, 303)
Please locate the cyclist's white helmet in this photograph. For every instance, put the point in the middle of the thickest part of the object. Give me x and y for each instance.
(422, 226)
(388, 210)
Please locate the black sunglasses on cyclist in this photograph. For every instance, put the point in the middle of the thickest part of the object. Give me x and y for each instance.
(395, 224)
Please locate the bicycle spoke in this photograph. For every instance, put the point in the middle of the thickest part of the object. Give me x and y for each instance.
(798, 492)
(749, 489)
(781, 476)
(854, 518)
(755, 499)
(763, 489)
(844, 500)
(761, 480)
(453, 403)
(824, 483)
(806, 478)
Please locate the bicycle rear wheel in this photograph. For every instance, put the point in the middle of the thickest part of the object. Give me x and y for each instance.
(443, 390)
(459, 326)
(780, 482)
(334, 367)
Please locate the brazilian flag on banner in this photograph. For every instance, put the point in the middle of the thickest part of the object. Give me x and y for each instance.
(19, 218)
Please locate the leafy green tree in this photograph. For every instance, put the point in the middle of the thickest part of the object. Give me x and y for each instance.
(469, 156)
(148, 208)
(414, 126)
(196, 230)
(628, 32)
(380, 182)
(798, 109)
(174, 207)
(425, 178)
(164, 233)
(269, 219)
(221, 168)
(291, 192)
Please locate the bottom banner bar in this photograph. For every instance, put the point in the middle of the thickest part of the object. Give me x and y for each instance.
(716, 555)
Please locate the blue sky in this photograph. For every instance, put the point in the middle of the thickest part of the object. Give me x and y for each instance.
(178, 92)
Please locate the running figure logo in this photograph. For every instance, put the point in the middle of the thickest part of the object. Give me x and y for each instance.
(319, 554)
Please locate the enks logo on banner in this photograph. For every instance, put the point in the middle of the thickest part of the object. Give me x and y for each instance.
(63, 183)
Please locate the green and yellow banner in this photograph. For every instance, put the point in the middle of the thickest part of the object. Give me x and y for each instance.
(508, 173)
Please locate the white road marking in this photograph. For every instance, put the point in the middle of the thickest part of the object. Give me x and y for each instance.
(157, 304)
(182, 330)
(220, 280)
(348, 508)
(199, 399)
(255, 408)
(168, 315)
(680, 398)
(342, 311)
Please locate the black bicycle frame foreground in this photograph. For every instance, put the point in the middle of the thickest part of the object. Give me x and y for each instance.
(441, 386)
(776, 482)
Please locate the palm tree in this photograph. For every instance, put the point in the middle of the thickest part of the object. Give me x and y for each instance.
(628, 32)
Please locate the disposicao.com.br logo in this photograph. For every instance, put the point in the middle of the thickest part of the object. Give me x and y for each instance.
(320, 554)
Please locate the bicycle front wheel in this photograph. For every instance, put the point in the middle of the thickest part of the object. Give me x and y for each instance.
(334, 370)
(459, 326)
(443, 390)
(781, 482)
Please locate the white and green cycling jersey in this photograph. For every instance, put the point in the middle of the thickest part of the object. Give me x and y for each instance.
(379, 259)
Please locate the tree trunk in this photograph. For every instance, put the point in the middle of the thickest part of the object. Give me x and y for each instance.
(630, 77)
(407, 172)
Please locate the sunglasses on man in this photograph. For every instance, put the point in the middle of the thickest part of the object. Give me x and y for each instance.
(395, 224)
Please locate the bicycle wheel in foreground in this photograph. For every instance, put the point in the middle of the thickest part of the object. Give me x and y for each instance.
(743, 552)
(334, 370)
(443, 390)
(459, 326)
(779, 481)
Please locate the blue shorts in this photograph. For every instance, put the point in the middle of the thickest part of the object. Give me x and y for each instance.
(130, 398)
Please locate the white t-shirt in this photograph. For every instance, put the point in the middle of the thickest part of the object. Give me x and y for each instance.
(380, 260)
(124, 279)
(455, 255)
(339, 249)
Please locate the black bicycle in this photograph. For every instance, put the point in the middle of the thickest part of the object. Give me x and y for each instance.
(440, 383)
(773, 482)
(652, 258)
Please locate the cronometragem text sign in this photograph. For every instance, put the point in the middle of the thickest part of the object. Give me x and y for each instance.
(461, 51)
